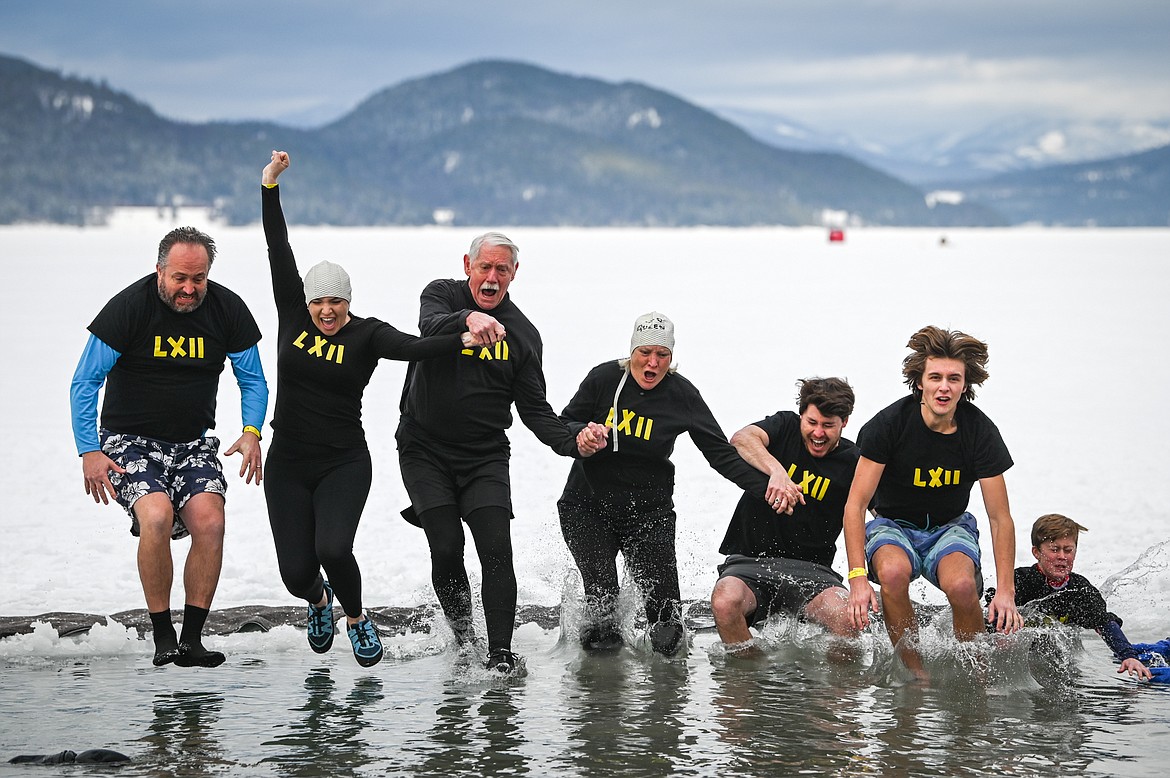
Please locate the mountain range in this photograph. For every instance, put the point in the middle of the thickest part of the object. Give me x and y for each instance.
(1020, 143)
(503, 143)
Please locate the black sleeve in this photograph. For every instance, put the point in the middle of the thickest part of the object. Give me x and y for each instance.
(581, 409)
(116, 325)
(437, 313)
(720, 454)
(992, 457)
(537, 415)
(390, 343)
(287, 288)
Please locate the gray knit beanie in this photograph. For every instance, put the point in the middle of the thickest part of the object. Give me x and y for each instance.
(652, 329)
(325, 279)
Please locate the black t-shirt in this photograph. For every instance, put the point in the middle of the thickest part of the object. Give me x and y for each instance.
(928, 475)
(466, 398)
(321, 380)
(651, 421)
(811, 532)
(164, 384)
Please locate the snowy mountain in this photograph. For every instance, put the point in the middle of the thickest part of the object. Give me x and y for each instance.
(485, 143)
(498, 142)
(1020, 144)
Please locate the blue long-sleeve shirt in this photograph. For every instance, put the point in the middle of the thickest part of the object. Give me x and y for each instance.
(97, 359)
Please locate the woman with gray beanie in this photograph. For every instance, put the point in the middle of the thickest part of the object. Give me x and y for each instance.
(622, 498)
(319, 471)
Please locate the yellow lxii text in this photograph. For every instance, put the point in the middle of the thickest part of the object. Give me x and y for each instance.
(811, 484)
(631, 424)
(498, 351)
(938, 476)
(190, 348)
(334, 353)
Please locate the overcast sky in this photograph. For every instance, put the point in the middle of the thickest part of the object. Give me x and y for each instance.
(883, 69)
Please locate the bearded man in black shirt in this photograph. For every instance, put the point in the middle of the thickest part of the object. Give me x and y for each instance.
(159, 347)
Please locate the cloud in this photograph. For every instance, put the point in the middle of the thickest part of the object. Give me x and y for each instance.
(888, 66)
(933, 89)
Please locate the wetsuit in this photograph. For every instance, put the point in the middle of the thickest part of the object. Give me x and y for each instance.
(318, 471)
(453, 450)
(1073, 601)
(622, 498)
(786, 559)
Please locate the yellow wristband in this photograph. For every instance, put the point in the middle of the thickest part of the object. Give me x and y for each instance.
(254, 431)
(269, 186)
(856, 572)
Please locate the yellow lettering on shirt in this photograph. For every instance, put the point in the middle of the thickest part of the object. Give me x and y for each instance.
(631, 424)
(815, 486)
(493, 352)
(335, 354)
(181, 347)
(939, 476)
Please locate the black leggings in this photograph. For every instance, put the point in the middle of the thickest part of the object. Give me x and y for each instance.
(315, 501)
(491, 529)
(595, 535)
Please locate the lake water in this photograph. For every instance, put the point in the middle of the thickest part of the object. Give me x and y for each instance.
(275, 709)
(1076, 321)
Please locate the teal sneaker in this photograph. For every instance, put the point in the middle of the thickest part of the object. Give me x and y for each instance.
(320, 623)
(367, 646)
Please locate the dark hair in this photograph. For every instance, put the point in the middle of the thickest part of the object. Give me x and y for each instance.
(945, 344)
(1054, 526)
(185, 235)
(832, 396)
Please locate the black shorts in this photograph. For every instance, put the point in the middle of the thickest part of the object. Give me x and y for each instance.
(437, 474)
(780, 585)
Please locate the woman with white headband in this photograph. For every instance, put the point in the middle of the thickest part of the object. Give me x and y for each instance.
(622, 498)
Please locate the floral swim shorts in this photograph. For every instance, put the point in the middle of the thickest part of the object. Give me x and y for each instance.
(180, 470)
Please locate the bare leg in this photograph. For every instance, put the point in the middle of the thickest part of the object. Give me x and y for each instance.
(731, 602)
(204, 516)
(830, 609)
(956, 577)
(155, 569)
(893, 573)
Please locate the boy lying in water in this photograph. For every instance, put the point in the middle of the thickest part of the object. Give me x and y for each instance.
(1056, 591)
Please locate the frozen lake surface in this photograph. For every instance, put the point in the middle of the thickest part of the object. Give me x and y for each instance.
(1076, 321)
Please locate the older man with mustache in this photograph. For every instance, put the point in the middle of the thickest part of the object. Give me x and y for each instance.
(452, 446)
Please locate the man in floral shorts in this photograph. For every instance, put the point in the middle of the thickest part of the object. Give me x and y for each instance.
(159, 347)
